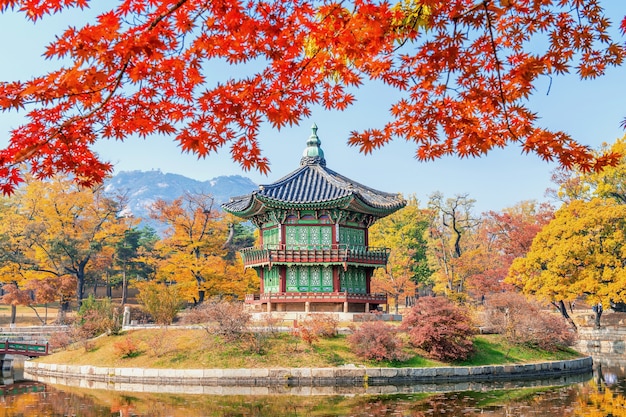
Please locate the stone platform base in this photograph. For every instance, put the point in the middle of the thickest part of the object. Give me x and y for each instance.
(341, 317)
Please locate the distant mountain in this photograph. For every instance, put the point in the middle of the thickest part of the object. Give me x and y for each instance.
(143, 188)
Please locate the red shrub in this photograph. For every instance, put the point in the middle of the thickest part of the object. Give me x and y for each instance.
(439, 327)
(223, 318)
(378, 341)
(126, 348)
(522, 322)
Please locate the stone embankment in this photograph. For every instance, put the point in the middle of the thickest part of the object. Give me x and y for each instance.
(608, 343)
(264, 379)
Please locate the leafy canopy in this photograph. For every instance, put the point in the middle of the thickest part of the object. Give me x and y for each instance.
(579, 253)
(464, 71)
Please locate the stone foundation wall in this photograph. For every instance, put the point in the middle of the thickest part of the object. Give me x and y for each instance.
(607, 343)
(301, 377)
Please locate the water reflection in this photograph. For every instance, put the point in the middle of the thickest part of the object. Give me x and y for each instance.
(599, 394)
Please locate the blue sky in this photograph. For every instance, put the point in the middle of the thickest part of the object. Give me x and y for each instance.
(591, 111)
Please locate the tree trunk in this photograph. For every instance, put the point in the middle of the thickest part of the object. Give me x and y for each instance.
(395, 299)
(561, 306)
(597, 309)
(13, 313)
(124, 284)
(231, 235)
(108, 284)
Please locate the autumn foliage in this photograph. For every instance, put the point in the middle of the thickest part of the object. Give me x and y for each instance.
(439, 327)
(524, 323)
(222, 318)
(317, 326)
(377, 340)
(463, 71)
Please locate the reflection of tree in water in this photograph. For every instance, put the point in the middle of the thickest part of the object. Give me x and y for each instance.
(605, 396)
(591, 399)
(48, 402)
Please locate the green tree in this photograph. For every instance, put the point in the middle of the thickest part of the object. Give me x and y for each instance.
(130, 255)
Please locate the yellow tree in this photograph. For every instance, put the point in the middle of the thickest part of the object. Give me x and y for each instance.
(67, 226)
(582, 252)
(194, 250)
(402, 232)
(15, 266)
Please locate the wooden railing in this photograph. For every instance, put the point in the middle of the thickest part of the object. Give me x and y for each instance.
(339, 254)
(23, 348)
(319, 297)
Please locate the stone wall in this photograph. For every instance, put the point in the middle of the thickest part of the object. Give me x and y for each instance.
(123, 378)
(607, 343)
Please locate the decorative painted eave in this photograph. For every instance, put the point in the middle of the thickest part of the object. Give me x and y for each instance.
(314, 186)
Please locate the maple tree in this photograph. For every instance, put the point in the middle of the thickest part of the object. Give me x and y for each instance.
(505, 236)
(441, 328)
(464, 71)
(524, 322)
(608, 183)
(579, 253)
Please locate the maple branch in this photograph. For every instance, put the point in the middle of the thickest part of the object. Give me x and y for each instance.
(112, 88)
(498, 71)
(166, 13)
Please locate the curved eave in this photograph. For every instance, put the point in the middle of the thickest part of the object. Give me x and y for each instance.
(258, 204)
(357, 204)
(245, 207)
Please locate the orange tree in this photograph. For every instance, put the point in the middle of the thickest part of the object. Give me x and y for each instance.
(463, 69)
(194, 252)
(505, 236)
(453, 250)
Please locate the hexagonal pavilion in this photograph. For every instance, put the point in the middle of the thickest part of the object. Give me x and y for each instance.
(314, 253)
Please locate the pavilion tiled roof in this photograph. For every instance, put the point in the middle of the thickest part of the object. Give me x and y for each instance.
(314, 186)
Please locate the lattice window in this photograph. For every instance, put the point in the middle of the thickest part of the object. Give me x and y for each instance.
(304, 284)
(292, 279)
(303, 236)
(291, 235)
(327, 236)
(327, 279)
(316, 279)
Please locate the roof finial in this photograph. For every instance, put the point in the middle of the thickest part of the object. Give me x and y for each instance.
(313, 154)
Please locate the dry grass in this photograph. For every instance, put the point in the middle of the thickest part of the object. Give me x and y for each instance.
(184, 348)
(192, 349)
(26, 316)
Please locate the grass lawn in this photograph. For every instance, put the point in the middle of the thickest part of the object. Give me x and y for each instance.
(184, 348)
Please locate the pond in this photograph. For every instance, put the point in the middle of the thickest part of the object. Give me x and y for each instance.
(600, 393)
